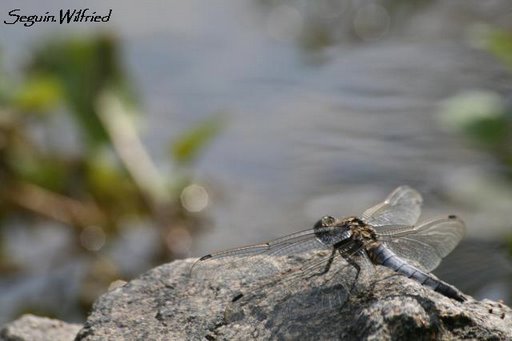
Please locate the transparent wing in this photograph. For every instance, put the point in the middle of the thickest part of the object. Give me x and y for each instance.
(293, 244)
(287, 282)
(401, 207)
(426, 244)
(321, 283)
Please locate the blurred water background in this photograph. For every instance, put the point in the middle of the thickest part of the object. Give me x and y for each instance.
(182, 127)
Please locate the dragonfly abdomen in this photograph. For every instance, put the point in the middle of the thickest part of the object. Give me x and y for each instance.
(385, 257)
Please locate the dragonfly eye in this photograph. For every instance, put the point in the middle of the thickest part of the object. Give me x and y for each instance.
(328, 220)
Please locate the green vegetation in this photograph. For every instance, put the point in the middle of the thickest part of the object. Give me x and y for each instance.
(106, 179)
(482, 116)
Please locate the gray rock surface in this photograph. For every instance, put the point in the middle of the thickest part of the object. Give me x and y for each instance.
(35, 328)
(171, 303)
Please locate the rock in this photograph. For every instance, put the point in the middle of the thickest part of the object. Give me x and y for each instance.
(171, 303)
(35, 328)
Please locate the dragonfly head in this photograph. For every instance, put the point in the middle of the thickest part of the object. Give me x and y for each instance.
(326, 221)
(330, 230)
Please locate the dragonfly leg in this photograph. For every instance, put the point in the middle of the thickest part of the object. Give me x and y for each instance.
(356, 266)
(327, 265)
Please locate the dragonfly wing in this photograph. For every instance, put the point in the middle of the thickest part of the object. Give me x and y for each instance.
(401, 207)
(294, 244)
(424, 245)
(321, 283)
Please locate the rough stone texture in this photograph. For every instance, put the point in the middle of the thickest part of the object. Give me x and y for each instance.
(170, 303)
(35, 328)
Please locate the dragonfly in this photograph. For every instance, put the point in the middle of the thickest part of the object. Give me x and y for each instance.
(386, 234)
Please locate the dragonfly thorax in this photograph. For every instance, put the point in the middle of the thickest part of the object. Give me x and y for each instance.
(360, 230)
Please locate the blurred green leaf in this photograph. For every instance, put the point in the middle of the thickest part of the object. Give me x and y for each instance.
(489, 132)
(4, 85)
(40, 93)
(188, 146)
(469, 108)
(484, 118)
(50, 173)
(500, 44)
(112, 187)
(85, 67)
